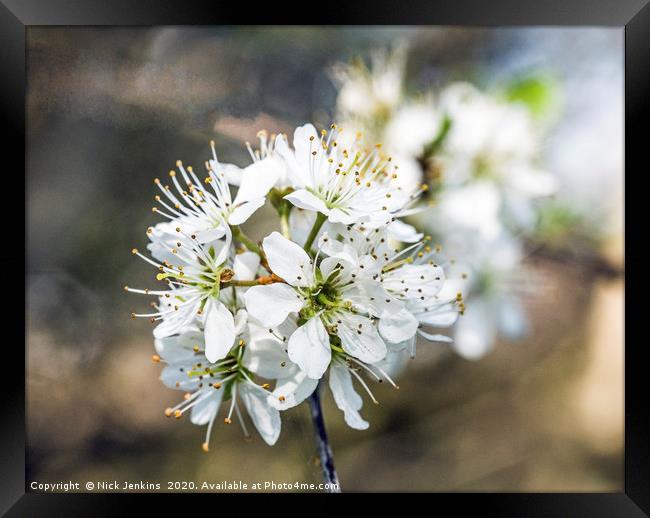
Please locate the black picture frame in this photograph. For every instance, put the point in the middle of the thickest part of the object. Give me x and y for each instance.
(632, 16)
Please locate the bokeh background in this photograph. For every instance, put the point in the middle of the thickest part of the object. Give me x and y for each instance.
(110, 109)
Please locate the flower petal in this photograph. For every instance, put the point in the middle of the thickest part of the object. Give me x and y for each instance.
(244, 211)
(360, 339)
(265, 355)
(265, 418)
(256, 181)
(370, 297)
(347, 216)
(398, 327)
(210, 234)
(288, 260)
(346, 397)
(178, 348)
(303, 199)
(241, 318)
(207, 408)
(443, 317)
(303, 136)
(435, 337)
(232, 172)
(292, 391)
(475, 331)
(246, 265)
(403, 232)
(219, 330)
(271, 304)
(338, 249)
(309, 348)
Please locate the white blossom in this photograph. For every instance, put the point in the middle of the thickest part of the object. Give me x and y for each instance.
(209, 384)
(341, 180)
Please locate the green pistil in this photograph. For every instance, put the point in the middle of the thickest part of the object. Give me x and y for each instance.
(323, 299)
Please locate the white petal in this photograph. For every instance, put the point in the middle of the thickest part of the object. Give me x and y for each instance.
(475, 332)
(370, 297)
(405, 346)
(309, 348)
(296, 176)
(303, 145)
(256, 181)
(346, 397)
(210, 234)
(219, 330)
(347, 216)
(224, 250)
(176, 322)
(303, 199)
(398, 327)
(246, 265)
(271, 304)
(207, 408)
(360, 339)
(244, 211)
(288, 260)
(334, 248)
(265, 355)
(265, 418)
(178, 348)
(174, 376)
(241, 318)
(403, 232)
(442, 318)
(435, 338)
(300, 223)
(292, 391)
(232, 172)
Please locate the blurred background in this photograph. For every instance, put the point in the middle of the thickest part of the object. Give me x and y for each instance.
(110, 109)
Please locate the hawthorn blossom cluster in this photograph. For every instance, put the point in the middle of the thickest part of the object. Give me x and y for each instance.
(480, 153)
(342, 287)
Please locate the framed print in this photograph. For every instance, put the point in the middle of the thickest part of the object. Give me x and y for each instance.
(382, 251)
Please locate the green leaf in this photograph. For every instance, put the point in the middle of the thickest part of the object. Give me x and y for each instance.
(539, 93)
